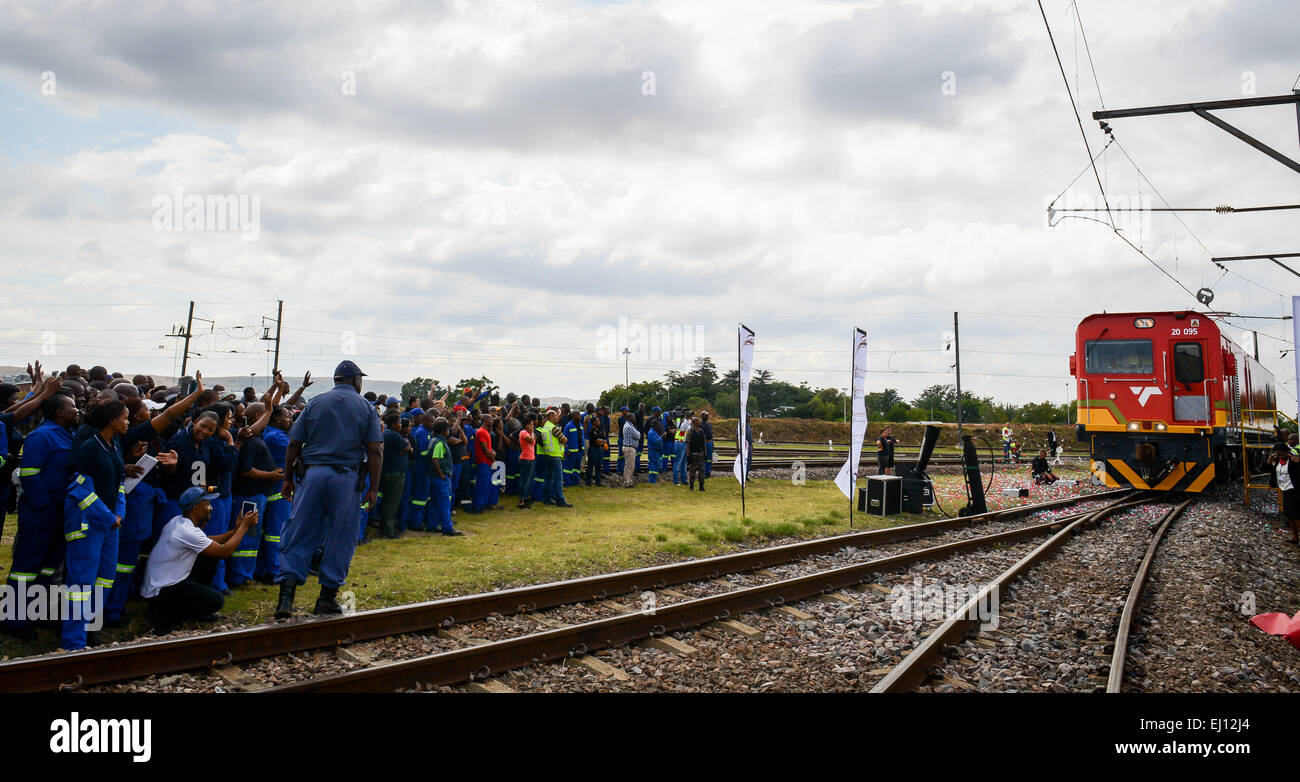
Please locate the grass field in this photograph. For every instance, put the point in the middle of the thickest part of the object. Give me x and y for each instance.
(609, 529)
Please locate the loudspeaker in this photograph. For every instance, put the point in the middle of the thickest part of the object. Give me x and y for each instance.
(928, 440)
(917, 494)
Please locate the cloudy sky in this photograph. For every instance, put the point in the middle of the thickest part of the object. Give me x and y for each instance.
(464, 188)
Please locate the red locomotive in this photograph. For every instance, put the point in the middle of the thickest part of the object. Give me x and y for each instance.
(1166, 400)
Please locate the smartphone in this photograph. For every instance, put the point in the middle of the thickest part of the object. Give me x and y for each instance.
(247, 507)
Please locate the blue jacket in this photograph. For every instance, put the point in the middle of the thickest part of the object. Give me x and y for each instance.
(188, 452)
(46, 465)
(277, 442)
(654, 440)
(573, 435)
(423, 442)
(83, 507)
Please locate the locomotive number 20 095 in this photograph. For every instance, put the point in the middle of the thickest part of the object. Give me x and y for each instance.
(1189, 332)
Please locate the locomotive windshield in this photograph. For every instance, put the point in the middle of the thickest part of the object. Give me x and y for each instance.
(1188, 366)
(1119, 356)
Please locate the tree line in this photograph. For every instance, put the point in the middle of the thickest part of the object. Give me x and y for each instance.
(703, 386)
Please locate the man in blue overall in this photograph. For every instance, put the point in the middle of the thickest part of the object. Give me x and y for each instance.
(276, 438)
(335, 439)
(39, 544)
(573, 449)
(418, 515)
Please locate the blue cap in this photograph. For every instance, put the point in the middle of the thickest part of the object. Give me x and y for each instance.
(392, 400)
(625, 409)
(654, 410)
(193, 496)
(347, 370)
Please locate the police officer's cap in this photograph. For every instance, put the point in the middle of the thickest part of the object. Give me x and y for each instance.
(346, 370)
(193, 496)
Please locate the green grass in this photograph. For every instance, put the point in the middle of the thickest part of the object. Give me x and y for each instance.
(609, 529)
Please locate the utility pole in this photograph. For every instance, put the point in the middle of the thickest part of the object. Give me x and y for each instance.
(279, 316)
(956, 339)
(189, 323)
(1256, 343)
(627, 382)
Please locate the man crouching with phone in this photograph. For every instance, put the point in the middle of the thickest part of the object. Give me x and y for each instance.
(176, 580)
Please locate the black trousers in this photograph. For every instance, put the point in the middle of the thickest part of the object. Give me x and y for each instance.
(591, 473)
(192, 598)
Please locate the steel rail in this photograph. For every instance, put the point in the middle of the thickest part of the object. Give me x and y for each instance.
(909, 673)
(131, 661)
(482, 661)
(1118, 657)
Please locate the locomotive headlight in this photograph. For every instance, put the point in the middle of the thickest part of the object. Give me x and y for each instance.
(1133, 426)
(1160, 426)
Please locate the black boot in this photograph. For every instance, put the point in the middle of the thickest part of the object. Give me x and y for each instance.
(325, 604)
(701, 484)
(284, 609)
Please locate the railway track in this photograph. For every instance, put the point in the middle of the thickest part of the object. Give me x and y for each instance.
(1119, 656)
(562, 641)
(961, 624)
(226, 649)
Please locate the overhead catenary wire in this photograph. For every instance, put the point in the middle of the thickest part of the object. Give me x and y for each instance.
(1093, 165)
(1078, 120)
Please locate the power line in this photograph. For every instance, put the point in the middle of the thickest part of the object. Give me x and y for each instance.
(1092, 161)
(1088, 51)
(1078, 120)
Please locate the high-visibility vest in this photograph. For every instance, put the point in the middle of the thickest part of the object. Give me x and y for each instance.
(551, 445)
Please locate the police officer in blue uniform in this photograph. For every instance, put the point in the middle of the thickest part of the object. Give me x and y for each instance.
(331, 445)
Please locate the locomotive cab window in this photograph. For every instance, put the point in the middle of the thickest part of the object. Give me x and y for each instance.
(1118, 356)
(1189, 365)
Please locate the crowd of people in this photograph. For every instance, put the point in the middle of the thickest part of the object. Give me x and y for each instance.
(177, 494)
(481, 446)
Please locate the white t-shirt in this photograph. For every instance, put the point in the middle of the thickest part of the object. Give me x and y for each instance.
(1283, 477)
(683, 429)
(173, 557)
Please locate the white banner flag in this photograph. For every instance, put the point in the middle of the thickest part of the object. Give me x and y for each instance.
(848, 475)
(745, 340)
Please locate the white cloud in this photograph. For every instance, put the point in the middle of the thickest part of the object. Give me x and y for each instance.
(499, 178)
